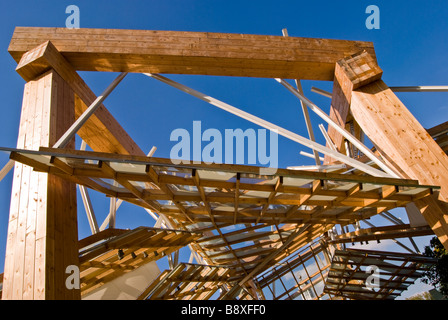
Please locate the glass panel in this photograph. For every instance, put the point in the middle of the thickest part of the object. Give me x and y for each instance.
(128, 167)
(215, 175)
(279, 288)
(267, 293)
(288, 280)
(256, 194)
(369, 187)
(38, 158)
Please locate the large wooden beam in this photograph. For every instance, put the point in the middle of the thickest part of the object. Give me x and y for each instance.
(205, 53)
(101, 132)
(42, 231)
(406, 145)
(403, 143)
(350, 73)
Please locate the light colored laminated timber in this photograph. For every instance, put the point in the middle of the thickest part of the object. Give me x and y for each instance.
(202, 53)
(349, 272)
(406, 145)
(248, 221)
(42, 231)
(382, 233)
(398, 137)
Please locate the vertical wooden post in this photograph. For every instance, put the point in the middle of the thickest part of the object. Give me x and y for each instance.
(350, 73)
(42, 231)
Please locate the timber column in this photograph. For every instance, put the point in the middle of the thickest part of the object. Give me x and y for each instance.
(42, 231)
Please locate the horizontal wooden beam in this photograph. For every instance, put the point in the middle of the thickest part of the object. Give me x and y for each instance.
(205, 53)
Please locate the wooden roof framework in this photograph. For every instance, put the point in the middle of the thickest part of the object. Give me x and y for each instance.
(240, 223)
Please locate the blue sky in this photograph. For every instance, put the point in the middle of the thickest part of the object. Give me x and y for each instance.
(411, 47)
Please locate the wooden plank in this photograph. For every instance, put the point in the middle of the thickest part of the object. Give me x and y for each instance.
(101, 132)
(191, 52)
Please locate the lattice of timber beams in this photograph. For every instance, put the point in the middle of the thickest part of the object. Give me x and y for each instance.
(244, 216)
(111, 253)
(187, 282)
(348, 273)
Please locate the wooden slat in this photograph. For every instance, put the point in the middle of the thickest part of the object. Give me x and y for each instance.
(320, 194)
(397, 271)
(187, 282)
(438, 130)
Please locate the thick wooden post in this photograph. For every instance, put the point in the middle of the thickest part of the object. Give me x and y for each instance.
(42, 231)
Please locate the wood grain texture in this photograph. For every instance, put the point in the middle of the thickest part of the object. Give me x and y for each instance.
(42, 230)
(351, 73)
(406, 145)
(191, 52)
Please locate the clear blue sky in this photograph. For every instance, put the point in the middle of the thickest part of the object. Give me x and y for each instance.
(411, 47)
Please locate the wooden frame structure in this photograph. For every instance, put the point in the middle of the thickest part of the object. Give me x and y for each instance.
(300, 277)
(109, 254)
(238, 222)
(396, 271)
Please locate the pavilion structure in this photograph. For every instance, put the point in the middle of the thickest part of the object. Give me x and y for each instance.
(252, 234)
